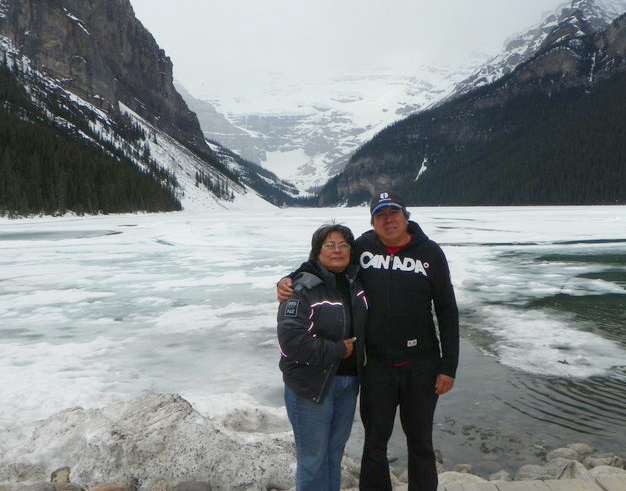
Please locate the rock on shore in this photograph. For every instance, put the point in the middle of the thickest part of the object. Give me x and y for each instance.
(155, 441)
(160, 443)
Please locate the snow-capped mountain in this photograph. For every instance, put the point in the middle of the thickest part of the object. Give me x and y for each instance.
(549, 133)
(305, 130)
(305, 127)
(580, 17)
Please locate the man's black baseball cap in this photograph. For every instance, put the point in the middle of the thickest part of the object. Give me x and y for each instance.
(381, 200)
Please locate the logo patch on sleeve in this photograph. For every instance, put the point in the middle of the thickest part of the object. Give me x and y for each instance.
(291, 309)
(411, 343)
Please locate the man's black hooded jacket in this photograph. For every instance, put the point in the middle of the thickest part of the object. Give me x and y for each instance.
(401, 289)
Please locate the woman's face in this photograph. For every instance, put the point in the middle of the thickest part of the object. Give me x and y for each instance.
(335, 252)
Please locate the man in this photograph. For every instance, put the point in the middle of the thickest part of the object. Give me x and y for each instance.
(407, 363)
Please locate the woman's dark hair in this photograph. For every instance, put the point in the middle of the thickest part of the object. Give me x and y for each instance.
(319, 237)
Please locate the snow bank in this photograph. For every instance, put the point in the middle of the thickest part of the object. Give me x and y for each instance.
(153, 438)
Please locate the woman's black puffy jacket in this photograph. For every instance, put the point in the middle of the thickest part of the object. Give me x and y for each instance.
(312, 325)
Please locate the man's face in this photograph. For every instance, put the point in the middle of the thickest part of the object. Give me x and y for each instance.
(390, 225)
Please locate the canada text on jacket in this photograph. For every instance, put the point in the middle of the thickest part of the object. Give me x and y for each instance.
(380, 261)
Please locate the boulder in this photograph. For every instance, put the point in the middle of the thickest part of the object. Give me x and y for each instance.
(124, 483)
(531, 472)
(44, 486)
(557, 468)
(583, 449)
(607, 471)
(107, 487)
(464, 468)
(39, 486)
(500, 476)
(612, 460)
(570, 470)
(161, 485)
(61, 475)
(563, 453)
(451, 477)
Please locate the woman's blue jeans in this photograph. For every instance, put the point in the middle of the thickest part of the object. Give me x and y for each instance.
(321, 432)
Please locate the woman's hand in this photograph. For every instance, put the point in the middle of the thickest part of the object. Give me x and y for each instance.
(349, 344)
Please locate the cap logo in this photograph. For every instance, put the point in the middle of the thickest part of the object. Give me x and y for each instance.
(384, 195)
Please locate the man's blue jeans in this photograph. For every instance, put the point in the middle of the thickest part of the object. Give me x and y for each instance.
(321, 432)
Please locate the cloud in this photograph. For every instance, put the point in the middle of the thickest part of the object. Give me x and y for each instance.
(239, 37)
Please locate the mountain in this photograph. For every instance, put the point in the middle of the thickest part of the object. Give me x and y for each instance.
(94, 73)
(578, 18)
(550, 132)
(304, 127)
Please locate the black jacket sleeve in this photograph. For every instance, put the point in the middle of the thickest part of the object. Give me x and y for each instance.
(299, 343)
(447, 318)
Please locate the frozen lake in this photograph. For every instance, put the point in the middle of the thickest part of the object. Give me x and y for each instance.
(95, 309)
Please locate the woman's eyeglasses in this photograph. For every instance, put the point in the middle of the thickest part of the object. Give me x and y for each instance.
(331, 246)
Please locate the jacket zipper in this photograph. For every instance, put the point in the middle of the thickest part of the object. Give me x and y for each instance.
(330, 369)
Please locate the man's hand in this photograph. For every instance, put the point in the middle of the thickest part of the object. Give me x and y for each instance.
(443, 384)
(283, 289)
(349, 344)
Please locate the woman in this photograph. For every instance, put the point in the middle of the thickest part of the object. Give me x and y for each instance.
(320, 336)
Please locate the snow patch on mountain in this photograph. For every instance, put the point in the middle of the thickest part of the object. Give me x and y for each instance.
(75, 19)
(185, 165)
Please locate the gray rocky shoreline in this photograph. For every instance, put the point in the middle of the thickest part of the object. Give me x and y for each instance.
(160, 443)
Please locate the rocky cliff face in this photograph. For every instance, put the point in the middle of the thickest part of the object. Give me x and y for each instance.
(102, 53)
(94, 62)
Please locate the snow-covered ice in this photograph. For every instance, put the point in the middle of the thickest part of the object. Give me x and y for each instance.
(94, 310)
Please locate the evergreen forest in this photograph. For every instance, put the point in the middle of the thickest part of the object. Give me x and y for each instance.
(49, 169)
(566, 149)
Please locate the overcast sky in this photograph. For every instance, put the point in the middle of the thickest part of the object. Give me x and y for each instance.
(238, 37)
